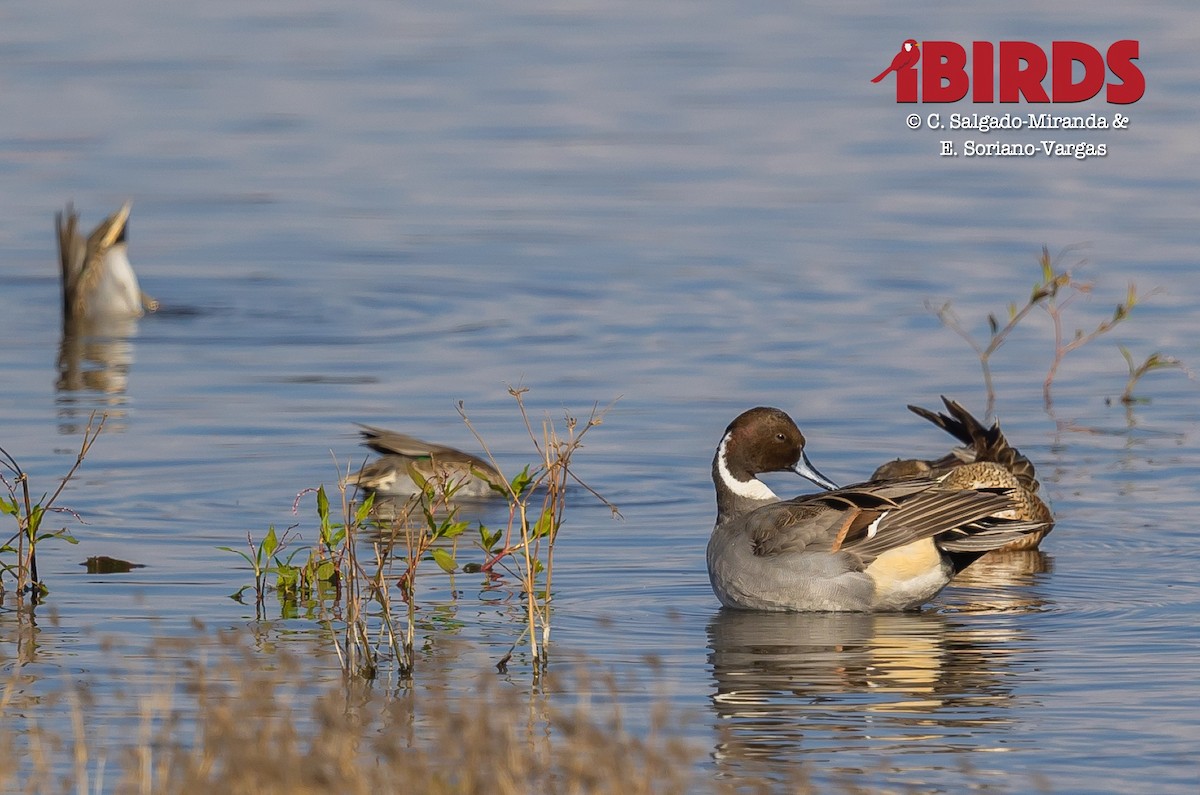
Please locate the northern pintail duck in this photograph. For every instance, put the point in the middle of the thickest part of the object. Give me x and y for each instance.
(408, 462)
(97, 279)
(883, 545)
(986, 460)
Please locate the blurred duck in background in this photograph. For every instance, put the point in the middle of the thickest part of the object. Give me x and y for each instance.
(407, 464)
(101, 303)
(97, 280)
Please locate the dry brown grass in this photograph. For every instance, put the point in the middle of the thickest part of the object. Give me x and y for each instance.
(245, 723)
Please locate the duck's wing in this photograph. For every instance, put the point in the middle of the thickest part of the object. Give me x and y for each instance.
(824, 521)
(386, 442)
(870, 519)
(959, 520)
(381, 440)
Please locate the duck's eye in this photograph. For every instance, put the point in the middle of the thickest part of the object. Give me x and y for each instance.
(781, 437)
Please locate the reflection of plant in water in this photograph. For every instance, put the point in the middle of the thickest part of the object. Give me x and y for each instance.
(30, 515)
(1057, 290)
(443, 618)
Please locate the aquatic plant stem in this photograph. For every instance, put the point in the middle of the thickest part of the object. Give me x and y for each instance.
(29, 514)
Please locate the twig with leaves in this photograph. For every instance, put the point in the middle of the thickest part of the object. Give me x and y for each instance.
(30, 514)
(1153, 362)
(1048, 294)
(536, 524)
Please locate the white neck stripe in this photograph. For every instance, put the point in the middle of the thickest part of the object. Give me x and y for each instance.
(753, 489)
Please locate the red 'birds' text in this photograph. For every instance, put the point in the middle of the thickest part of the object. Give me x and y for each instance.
(1021, 68)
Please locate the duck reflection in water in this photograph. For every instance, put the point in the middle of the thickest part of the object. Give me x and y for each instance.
(795, 688)
(1003, 580)
(101, 302)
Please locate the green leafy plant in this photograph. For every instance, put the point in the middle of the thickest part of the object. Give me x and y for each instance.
(412, 539)
(357, 587)
(352, 593)
(30, 515)
(331, 575)
(429, 528)
(264, 561)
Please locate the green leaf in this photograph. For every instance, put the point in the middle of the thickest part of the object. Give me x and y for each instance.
(292, 556)
(322, 503)
(334, 540)
(1158, 361)
(521, 482)
(450, 529)
(444, 560)
(364, 510)
(488, 540)
(35, 520)
(286, 577)
(427, 511)
(269, 544)
(326, 571)
(62, 535)
(545, 524)
(245, 557)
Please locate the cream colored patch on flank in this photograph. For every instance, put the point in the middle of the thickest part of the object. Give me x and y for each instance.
(904, 564)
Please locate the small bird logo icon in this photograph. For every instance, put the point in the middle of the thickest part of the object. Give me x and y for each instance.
(908, 56)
